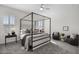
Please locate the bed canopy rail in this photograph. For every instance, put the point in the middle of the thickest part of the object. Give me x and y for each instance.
(33, 19)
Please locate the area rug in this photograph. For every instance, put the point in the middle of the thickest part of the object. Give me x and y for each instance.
(15, 48)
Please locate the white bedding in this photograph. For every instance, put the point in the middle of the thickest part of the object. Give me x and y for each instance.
(36, 37)
(22, 35)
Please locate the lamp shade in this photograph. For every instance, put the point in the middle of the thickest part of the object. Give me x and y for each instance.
(12, 29)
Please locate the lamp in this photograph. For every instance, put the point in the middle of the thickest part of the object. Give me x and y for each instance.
(13, 31)
(41, 8)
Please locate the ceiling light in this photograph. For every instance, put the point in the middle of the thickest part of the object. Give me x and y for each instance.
(41, 8)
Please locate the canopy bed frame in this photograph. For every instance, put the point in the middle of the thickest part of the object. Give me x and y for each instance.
(43, 38)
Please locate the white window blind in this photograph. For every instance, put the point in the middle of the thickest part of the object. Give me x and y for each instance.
(12, 20)
(39, 24)
(9, 20)
(5, 20)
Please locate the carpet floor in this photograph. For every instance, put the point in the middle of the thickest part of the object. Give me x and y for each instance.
(15, 48)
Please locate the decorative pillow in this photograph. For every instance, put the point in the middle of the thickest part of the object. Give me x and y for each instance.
(73, 36)
(23, 31)
(36, 31)
(56, 33)
(27, 31)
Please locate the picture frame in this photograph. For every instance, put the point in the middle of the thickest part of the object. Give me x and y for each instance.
(65, 28)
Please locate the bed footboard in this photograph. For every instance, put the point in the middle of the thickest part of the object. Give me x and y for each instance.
(38, 41)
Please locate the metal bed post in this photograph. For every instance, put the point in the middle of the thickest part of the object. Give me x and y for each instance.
(20, 27)
(21, 21)
(20, 24)
(50, 28)
(31, 47)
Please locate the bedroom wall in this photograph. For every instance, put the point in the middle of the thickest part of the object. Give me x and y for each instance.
(6, 11)
(64, 15)
(46, 26)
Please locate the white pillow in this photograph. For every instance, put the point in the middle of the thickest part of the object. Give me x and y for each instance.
(73, 36)
(23, 31)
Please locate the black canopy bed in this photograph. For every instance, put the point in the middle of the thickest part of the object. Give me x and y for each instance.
(35, 31)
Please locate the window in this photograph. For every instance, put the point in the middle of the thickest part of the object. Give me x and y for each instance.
(39, 24)
(9, 20)
(12, 20)
(5, 20)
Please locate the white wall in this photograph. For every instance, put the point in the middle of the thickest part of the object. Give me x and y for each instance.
(46, 26)
(6, 11)
(64, 15)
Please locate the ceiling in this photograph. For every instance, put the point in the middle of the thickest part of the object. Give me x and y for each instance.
(28, 7)
(54, 9)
